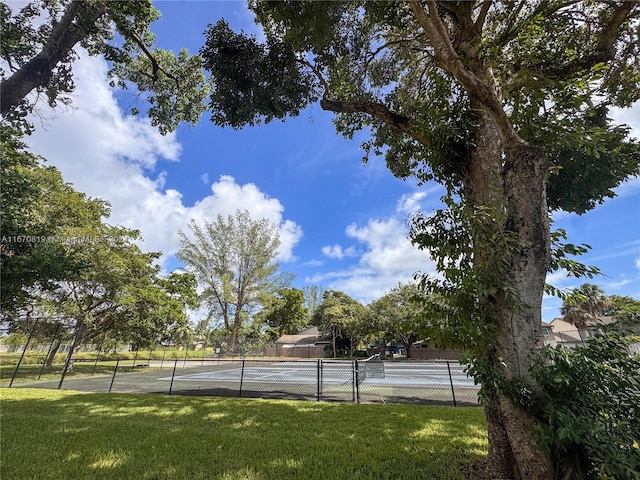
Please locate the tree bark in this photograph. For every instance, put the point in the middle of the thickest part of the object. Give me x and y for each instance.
(511, 182)
(75, 25)
(514, 446)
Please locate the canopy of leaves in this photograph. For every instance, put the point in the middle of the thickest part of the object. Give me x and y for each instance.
(40, 213)
(395, 316)
(285, 313)
(559, 65)
(624, 309)
(312, 298)
(253, 82)
(38, 49)
(120, 290)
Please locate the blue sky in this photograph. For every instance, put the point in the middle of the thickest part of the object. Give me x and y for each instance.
(342, 224)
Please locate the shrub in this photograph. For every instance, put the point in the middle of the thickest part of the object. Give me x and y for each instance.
(591, 408)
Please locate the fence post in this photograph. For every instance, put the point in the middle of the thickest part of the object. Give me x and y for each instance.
(113, 377)
(357, 378)
(319, 378)
(24, 350)
(76, 337)
(241, 379)
(453, 393)
(175, 364)
(353, 383)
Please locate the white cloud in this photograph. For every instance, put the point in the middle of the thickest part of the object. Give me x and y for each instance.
(228, 197)
(336, 251)
(205, 178)
(388, 258)
(112, 156)
(410, 203)
(628, 116)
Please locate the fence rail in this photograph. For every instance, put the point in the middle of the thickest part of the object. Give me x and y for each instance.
(358, 381)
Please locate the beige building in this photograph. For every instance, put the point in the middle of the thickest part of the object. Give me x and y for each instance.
(561, 332)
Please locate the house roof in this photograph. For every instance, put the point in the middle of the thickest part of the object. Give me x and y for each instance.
(568, 336)
(308, 336)
(561, 325)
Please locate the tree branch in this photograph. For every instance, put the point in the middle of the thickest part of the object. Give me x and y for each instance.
(544, 9)
(318, 74)
(482, 16)
(447, 58)
(38, 71)
(605, 51)
(377, 110)
(154, 63)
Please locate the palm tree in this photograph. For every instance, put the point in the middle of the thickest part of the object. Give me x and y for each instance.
(181, 332)
(585, 303)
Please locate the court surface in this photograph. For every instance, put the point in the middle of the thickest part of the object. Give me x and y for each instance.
(416, 374)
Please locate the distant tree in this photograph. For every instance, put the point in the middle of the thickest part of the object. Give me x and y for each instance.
(182, 332)
(312, 298)
(37, 49)
(626, 310)
(154, 303)
(39, 211)
(14, 341)
(339, 315)
(233, 260)
(202, 330)
(586, 303)
(396, 316)
(119, 291)
(285, 313)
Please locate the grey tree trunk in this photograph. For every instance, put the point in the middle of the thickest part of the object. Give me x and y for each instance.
(54, 350)
(511, 182)
(512, 435)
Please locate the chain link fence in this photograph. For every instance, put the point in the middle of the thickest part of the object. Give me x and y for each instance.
(358, 381)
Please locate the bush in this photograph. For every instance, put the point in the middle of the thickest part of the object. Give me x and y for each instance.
(591, 408)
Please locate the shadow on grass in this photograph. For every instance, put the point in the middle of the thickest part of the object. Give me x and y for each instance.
(53, 434)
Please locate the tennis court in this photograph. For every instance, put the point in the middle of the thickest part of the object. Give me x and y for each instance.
(319, 380)
(396, 374)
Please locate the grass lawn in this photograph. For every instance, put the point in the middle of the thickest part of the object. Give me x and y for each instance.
(51, 434)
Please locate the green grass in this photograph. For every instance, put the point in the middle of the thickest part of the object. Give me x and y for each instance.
(50, 434)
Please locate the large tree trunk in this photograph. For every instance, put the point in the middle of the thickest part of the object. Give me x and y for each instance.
(511, 183)
(514, 447)
(52, 353)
